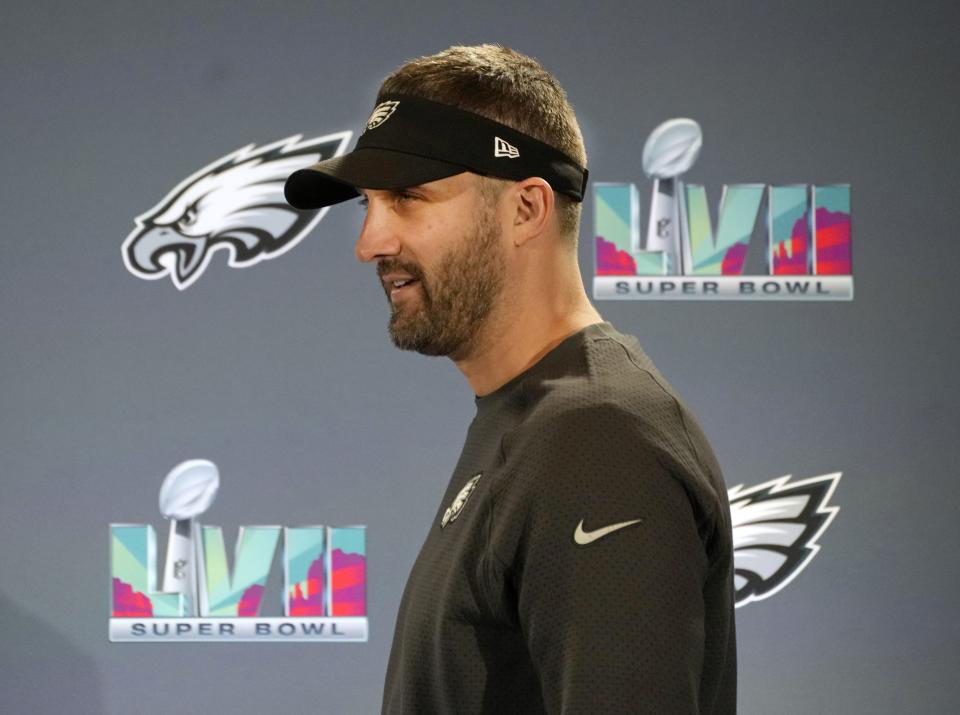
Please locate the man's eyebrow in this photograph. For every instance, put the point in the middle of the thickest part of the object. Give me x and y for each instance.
(399, 188)
(394, 192)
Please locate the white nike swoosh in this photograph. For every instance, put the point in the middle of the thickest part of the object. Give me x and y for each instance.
(586, 537)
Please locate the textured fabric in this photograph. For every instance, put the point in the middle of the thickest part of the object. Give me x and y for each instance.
(504, 612)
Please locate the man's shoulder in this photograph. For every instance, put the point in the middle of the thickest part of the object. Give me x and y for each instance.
(582, 426)
(613, 384)
(615, 417)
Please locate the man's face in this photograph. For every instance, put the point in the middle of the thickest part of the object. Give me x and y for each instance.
(439, 258)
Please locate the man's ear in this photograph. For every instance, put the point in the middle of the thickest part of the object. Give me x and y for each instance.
(532, 209)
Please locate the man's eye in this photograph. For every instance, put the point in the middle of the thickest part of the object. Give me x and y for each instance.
(364, 202)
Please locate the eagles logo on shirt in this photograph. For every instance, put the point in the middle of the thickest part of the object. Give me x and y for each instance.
(453, 511)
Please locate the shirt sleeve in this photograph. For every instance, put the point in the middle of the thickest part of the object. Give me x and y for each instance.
(614, 623)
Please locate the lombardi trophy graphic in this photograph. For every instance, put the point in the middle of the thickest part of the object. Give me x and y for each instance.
(187, 492)
(670, 150)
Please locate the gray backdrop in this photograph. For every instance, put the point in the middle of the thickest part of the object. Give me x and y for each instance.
(282, 373)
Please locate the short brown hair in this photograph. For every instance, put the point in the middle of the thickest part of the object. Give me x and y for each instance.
(506, 86)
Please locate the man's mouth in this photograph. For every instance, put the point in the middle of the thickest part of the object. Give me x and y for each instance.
(402, 286)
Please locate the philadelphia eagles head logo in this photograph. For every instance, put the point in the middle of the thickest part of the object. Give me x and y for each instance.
(236, 204)
(775, 530)
(453, 511)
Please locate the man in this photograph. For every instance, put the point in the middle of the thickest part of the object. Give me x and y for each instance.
(581, 558)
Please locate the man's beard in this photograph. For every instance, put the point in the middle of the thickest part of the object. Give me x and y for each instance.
(458, 296)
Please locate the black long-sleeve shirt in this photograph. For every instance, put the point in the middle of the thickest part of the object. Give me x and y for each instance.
(523, 601)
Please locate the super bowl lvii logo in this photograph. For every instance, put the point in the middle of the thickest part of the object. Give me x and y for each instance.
(805, 254)
(324, 574)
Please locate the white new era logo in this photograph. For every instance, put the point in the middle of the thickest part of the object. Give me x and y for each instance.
(502, 148)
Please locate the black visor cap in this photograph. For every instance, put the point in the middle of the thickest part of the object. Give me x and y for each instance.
(411, 141)
(334, 180)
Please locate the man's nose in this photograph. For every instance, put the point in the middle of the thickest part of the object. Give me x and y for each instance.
(378, 236)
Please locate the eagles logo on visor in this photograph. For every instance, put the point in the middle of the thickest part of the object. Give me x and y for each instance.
(424, 141)
(381, 113)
